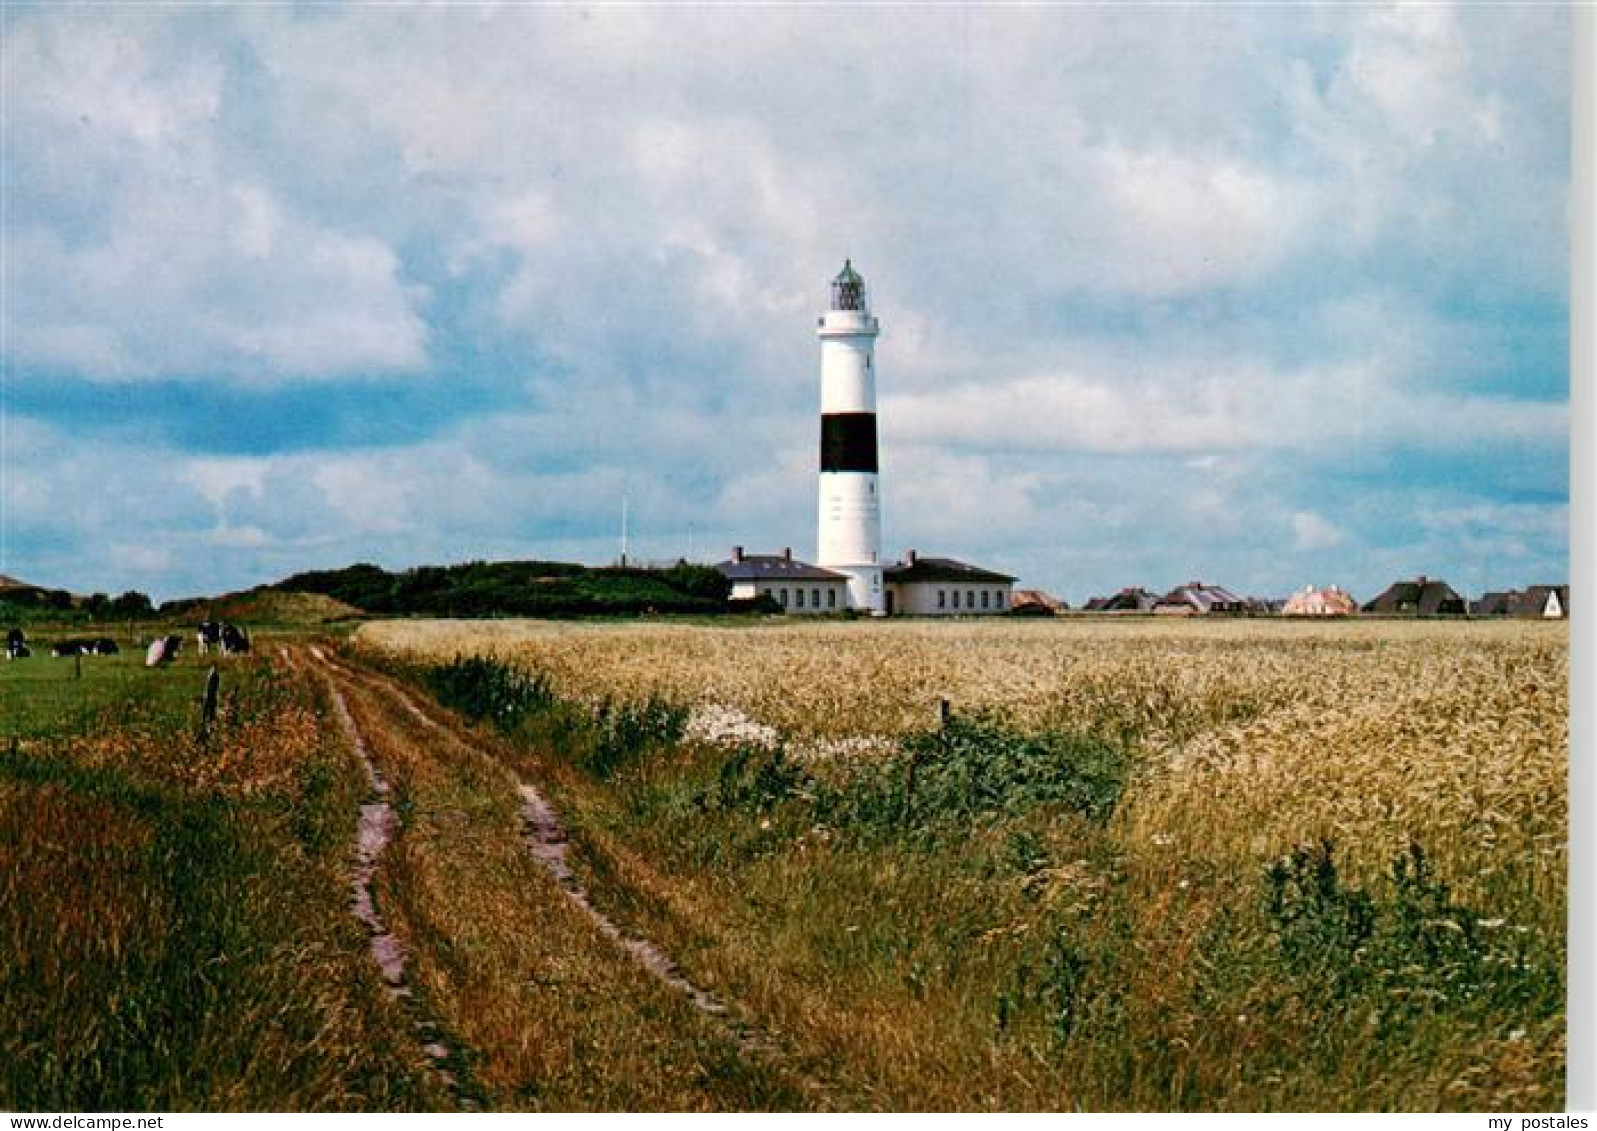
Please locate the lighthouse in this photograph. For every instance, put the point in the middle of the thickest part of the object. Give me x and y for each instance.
(850, 535)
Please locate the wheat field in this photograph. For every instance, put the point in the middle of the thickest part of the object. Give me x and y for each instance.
(1252, 734)
(1253, 745)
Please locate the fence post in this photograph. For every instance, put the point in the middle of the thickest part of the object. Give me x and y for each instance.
(213, 683)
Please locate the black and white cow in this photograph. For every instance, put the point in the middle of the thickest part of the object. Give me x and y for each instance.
(226, 638)
(17, 645)
(234, 640)
(85, 646)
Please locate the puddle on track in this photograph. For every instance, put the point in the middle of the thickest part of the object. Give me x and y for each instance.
(547, 840)
(376, 830)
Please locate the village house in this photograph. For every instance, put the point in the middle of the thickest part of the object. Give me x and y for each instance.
(796, 587)
(1496, 604)
(1327, 602)
(1197, 599)
(1036, 602)
(935, 587)
(1422, 597)
(1547, 602)
(1133, 599)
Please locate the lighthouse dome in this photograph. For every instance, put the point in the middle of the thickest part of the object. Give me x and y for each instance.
(848, 289)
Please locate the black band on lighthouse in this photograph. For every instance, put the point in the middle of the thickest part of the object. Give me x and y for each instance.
(848, 441)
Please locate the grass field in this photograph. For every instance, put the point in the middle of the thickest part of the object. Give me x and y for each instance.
(1150, 865)
(1140, 865)
(44, 695)
(173, 923)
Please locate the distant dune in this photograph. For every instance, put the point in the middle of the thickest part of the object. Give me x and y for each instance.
(266, 606)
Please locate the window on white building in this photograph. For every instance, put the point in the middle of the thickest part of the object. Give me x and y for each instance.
(942, 599)
(985, 597)
(831, 598)
(783, 598)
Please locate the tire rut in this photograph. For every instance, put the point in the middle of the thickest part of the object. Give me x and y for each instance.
(378, 825)
(547, 840)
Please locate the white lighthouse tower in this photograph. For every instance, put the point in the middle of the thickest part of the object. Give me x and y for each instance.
(850, 537)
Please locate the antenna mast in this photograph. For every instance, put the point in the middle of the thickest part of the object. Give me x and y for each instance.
(623, 532)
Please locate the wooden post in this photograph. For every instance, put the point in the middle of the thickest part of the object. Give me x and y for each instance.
(943, 711)
(213, 683)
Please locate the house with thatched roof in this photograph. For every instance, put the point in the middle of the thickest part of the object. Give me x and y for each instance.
(1327, 602)
(1134, 599)
(1496, 604)
(1421, 597)
(1197, 599)
(1036, 602)
(1542, 602)
(1546, 602)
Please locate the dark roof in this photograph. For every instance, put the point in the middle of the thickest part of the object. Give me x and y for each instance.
(774, 567)
(1496, 604)
(1133, 599)
(943, 569)
(1534, 600)
(1424, 596)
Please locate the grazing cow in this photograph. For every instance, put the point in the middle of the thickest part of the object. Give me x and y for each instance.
(226, 638)
(234, 640)
(162, 650)
(85, 646)
(17, 645)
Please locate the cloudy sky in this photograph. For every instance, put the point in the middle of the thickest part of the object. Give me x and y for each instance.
(1259, 295)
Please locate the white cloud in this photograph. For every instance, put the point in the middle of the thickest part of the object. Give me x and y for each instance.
(1236, 407)
(1169, 223)
(139, 246)
(1311, 532)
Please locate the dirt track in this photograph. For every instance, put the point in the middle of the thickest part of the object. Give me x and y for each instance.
(403, 738)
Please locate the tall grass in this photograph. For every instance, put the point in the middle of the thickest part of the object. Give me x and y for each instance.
(1146, 867)
(173, 928)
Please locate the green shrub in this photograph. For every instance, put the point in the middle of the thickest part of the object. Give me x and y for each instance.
(976, 769)
(755, 779)
(601, 741)
(481, 687)
(1410, 947)
(622, 733)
